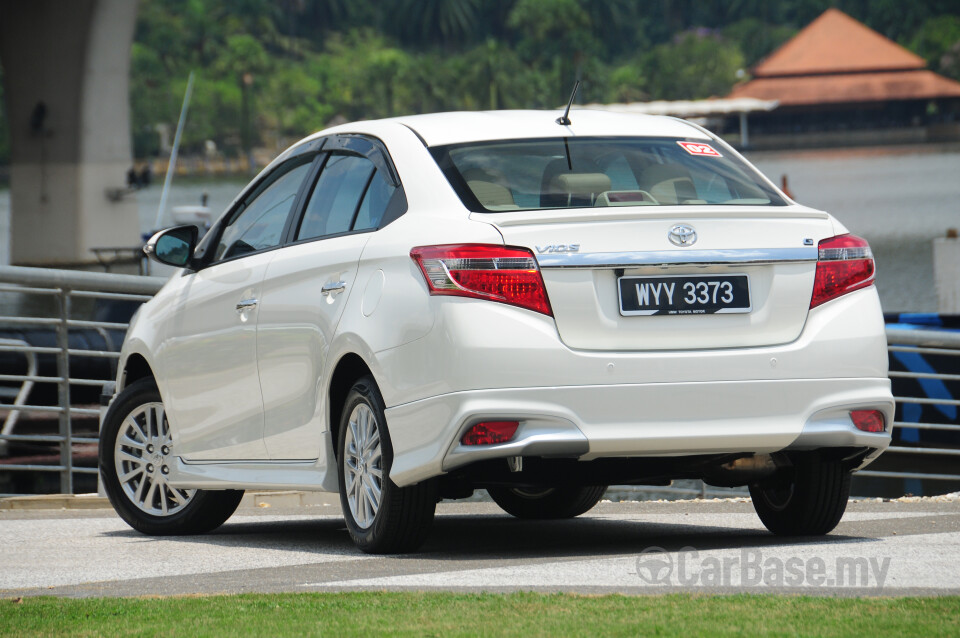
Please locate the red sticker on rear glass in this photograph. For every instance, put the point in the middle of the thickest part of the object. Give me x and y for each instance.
(698, 148)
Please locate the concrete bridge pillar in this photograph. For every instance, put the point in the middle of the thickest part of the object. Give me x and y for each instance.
(66, 68)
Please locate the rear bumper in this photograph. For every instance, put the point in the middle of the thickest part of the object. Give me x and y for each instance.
(635, 420)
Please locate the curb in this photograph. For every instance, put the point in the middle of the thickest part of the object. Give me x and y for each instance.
(55, 502)
(251, 500)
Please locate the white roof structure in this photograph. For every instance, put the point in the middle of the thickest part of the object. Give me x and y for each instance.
(690, 108)
(697, 110)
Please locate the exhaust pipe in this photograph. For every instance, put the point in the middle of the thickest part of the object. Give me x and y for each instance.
(743, 471)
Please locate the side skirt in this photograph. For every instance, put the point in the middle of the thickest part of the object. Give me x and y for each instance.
(311, 475)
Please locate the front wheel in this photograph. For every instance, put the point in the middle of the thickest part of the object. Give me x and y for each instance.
(381, 517)
(546, 503)
(135, 459)
(810, 501)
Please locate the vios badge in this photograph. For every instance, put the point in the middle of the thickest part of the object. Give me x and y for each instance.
(682, 235)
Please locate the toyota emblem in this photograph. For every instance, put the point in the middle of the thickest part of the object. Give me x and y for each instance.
(682, 235)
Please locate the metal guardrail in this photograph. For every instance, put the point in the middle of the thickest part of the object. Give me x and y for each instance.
(63, 287)
(929, 343)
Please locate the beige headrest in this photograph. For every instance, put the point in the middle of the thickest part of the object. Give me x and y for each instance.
(491, 196)
(661, 173)
(581, 183)
(668, 183)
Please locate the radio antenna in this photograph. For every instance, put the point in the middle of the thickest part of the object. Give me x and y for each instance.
(564, 120)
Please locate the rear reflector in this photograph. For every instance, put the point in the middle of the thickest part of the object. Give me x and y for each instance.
(481, 271)
(868, 420)
(490, 432)
(845, 264)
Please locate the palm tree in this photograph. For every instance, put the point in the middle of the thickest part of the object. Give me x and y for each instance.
(435, 21)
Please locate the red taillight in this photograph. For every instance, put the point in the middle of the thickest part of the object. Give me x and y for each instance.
(495, 273)
(490, 432)
(868, 420)
(845, 264)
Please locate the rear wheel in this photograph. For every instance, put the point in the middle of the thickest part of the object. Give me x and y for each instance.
(544, 503)
(381, 517)
(810, 501)
(135, 460)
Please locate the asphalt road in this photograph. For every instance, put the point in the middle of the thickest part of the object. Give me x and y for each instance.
(880, 548)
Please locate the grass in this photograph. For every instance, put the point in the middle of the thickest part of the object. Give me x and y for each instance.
(445, 614)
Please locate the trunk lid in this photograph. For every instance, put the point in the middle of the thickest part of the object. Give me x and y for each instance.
(583, 253)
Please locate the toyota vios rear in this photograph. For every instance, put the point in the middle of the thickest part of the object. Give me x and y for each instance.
(417, 308)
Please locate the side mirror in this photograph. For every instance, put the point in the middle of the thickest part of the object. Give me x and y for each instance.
(173, 246)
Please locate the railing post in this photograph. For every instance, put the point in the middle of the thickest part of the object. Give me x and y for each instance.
(63, 392)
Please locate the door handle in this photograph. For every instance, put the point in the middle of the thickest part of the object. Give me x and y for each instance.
(246, 304)
(330, 289)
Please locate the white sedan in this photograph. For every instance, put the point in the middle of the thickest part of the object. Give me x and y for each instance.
(415, 308)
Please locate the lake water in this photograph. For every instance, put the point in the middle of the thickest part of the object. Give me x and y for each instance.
(898, 198)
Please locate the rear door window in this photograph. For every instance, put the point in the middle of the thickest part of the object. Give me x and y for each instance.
(336, 196)
(350, 194)
(375, 202)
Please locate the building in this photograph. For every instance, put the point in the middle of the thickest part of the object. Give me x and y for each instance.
(840, 83)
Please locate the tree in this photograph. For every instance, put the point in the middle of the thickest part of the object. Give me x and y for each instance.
(699, 64)
(434, 21)
(937, 40)
(309, 60)
(757, 39)
(626, 83)
(492, 76)
(556, 36)
(365, 75)
(244, 60)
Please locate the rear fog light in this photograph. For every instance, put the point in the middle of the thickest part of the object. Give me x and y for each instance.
(868, 420)
(490, 432)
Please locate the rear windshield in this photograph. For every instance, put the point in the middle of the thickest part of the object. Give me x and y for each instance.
(593, 172)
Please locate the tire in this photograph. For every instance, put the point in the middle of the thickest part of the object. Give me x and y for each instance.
(551, 502)
(381, 517)
(809, 502)
(134, 452)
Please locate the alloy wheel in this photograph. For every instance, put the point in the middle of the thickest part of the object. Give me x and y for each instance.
(142, 455)
(363, 466)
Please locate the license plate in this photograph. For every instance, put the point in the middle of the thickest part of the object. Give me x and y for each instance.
(684, 295)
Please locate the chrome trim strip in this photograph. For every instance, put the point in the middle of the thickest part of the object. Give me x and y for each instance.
(678, 257)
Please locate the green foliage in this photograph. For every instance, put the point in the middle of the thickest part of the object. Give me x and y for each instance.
(757, 39)
(271, 71)
(626, 83)
(434, 21)
(555, 37)
(698, 65)
(938, 41)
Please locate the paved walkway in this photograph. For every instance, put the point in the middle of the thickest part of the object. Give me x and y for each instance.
(294, 543)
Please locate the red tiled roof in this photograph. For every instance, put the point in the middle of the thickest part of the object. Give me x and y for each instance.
(836, 43)
(853, 87)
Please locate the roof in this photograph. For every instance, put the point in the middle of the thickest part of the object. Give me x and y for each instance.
(836, 59)
(850, 88)
(439, 129)
(690, 108)
(836, 43)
